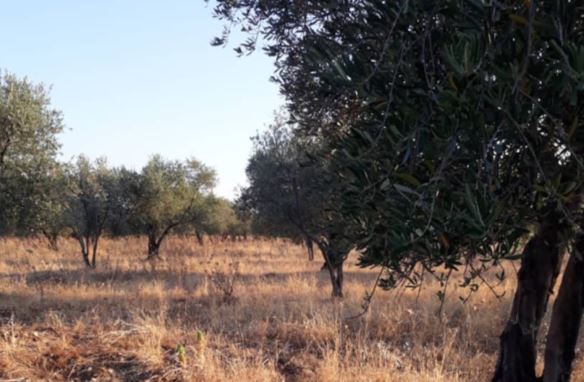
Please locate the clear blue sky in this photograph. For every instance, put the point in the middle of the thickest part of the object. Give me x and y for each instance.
(138, 77)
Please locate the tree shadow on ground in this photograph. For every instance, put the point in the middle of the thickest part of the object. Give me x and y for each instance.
(171, 279)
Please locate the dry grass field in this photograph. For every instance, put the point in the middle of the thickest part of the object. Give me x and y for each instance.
(176, 320)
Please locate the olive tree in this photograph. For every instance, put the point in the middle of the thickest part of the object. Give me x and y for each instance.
(28, 147)
(48, 205)
(459, 127)
(293, 194)
(220, 218)
(92, 194)
(170, 194)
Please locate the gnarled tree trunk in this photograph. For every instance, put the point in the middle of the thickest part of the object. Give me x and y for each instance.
(309, 248)
(336, 273)
(540, 266)
(84, 246)
(333, 262)
(85, 253)
(334, 265)
(566, 317)
(153, 245)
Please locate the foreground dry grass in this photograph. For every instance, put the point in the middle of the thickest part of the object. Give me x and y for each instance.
(132, 320)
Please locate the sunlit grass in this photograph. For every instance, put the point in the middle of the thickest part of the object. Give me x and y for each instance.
(127, 320)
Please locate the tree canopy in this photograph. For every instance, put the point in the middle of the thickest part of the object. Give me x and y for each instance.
(170, 194)
(28, 147)
(457, 122)
(457, 126)
(293, 193)
(90, 198)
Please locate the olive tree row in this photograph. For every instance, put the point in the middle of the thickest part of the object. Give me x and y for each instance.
(89, 199)
(85, 199)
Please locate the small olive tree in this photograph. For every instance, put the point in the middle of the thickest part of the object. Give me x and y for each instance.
(221, 218)
(293, 193)
(169, 194)
(49, 202)
(92, 192)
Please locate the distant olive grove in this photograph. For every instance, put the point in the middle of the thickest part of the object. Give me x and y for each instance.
(436, 138)
(84, 199)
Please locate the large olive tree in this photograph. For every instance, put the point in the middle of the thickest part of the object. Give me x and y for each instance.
(459, 125)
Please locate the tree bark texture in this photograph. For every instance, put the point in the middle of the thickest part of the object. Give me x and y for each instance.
(540, 266)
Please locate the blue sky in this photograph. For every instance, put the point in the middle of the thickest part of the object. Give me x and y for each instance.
(136, 77)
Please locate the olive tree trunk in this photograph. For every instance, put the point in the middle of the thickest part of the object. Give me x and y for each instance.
(333, 263)
(309, 248)
(153, 246)
(84, 251)
(336, 274)
(540, 266)
(88, 244)
(154, 242)
(566, 317)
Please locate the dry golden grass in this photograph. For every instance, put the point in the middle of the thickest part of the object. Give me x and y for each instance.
(133, 320)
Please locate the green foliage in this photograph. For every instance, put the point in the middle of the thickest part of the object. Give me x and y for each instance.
(169, 194)
(91, 195)
(457, 125)
(88, 199)
(293, 192)
(221, 218)
(28, 147)
(28, 125)
(48, 211)
(170, 190)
